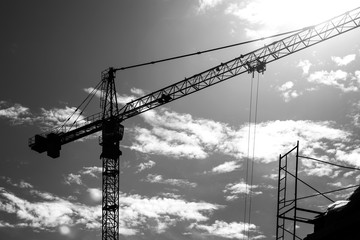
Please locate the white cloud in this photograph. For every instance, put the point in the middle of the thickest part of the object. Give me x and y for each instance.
(287, 91)
(14, 111)
(5, 224)
(121, 99)
(207, 4)
(77, 178)
(349, 156)
(175, 182)
(272, 176)
(350, 173)
(233, 190)
(24, 184)
(159, 213)
(226, 167)
(17, 113)
(57, 117)
(171, 195)
(44, 195)
(137, 91)
(179, 135)
(305, 66)
(21, 184)
(286, 86)
(355, 112)
(319, 169)
(51, 211)
(345, 60)
(46, 119)
(73, 178)
(168, 142)
(231, 230)
(342, 80)
(91, 171)
(49, 214)
(146, 165)
(357, 75)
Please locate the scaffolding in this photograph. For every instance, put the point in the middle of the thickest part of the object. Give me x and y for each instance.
(288, 211)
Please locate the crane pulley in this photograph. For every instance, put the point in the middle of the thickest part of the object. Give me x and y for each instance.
(109, 120)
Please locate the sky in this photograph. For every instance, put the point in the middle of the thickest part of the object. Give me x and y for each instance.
(183, 168)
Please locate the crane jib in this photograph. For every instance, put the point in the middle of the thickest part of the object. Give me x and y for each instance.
(250, 62)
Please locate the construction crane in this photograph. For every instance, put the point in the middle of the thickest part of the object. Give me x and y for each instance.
(110, 118)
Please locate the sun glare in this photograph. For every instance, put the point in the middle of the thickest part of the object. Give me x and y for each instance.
(64, 230)
(310, 12)
(268, 17)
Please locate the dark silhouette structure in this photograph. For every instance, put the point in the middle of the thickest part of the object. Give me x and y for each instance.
(340, 221)
(109, 120)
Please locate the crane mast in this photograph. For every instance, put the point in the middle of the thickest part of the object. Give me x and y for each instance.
(112, 134)
(109, 120)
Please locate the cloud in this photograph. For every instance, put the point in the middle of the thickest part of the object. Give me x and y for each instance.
(287, 91)
(159, 213)
(21, 184)
(235, 189)
(226, 167)
(68, 117)
(342, 80)
(305, 66)
(175, 182)
(49, 214)
(237, 230)
(180, 135)
(355, 113)
(137, 91)
(167, 142)
(349, 156)
(77, 178)
(46, 119)
(205, 5)
(91, 171)
(44, 195)
(319, 169)
(146, 165)
(272, 176)
(73, 178)
(121, 99)
(17, 113)
(345, 60)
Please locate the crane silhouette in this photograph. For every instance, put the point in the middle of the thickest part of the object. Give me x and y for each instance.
(109, 120)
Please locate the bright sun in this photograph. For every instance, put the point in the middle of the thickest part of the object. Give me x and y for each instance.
(310, 12)
(273, 16)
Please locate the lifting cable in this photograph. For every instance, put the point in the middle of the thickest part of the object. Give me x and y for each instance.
(248, 157)
(207, 51)
(248, 186)
(253, 153)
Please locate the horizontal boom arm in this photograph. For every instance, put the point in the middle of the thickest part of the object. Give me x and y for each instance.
(250, 62)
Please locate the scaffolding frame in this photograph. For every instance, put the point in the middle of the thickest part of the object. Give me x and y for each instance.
(288, 211)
